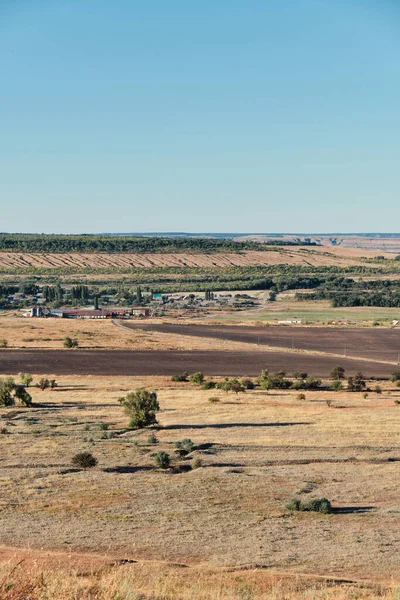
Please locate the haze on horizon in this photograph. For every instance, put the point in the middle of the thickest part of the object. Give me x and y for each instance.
(216, 117)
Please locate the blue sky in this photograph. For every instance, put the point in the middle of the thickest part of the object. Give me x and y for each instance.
(219, 115)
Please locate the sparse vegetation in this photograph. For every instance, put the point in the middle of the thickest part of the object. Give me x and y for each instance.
(197, 378)
(26, 379)
(70, 342)
(213, 399)
(3, 343)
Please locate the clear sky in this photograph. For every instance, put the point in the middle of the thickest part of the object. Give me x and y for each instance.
(207, 115)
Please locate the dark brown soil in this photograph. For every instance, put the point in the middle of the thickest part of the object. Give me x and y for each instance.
(170, 362)
(379, 344)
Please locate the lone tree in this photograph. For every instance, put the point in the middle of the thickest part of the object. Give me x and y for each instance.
(356, 383)
(141, 407)
(337, 373)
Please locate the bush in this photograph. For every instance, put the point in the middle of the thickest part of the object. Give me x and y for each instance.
(183, 377)
(395, 377)
(208, 385)
(301, 397)
(337, 373)
(43, 384)
(247, 384)
(321, 505)
(3, 343)
(6, 390)
(378, 389)
(162, 459)
(197, 378)
(70, 343)
(337, 385)
(152, 439)
(277, 381)
(22, 395)
(84, 460)
(356, 383)
(186, 445)
(213, 399)
(26, 379)
(141, 406)
(104, 426)
(197, 463)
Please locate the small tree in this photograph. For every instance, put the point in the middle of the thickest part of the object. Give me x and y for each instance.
(22, 395)
(6, 389)
(356, 383)
(84, 460)
(337, 373)
(141, 407)
(197, 378)
(26, 379)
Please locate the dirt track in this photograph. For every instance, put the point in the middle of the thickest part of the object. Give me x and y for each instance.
(378, 344)
(123, 362)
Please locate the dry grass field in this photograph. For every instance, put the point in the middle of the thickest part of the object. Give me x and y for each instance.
(317, 256)
(258, 450)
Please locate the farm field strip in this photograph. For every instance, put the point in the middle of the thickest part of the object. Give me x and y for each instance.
(171, 362)
(378, 344)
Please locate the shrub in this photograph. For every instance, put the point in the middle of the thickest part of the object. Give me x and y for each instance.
(70, 343)
(378, 389)
(277, 381)
(186, 445)
(43, 384)
(197, 463)
(213, 399)
(104, 426)
(152, 439)
(356, 383)
(337, 373)
(53, 384)
(321, 505)
(208, 385)
(365, 395)
(183, 377)
(22, 395)
(395, 377)
(301, 397)
(3, 343)
(84, 460)
(141, 406)
(247, 384)
(26, 379)
(162, 459)
(337, 385)
(6, 389)
(197, 378)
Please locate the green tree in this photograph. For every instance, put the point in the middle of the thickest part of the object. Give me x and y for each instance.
(141, 407)
(26, 379)
(337, 373)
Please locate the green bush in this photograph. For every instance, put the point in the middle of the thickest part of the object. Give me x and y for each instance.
(208, 385)
(247, 384)
(321, 505)
(196, 463)
(213, 399)
(84, 460)
(177, 378)
(70, 343)
(104, 426)
(337, 385)
(162, 459)
(152, 439)
(22, 395)
(3, 343)
(26, 379)
(141, 407)
(186, 445)
(197, 378)
(6, 392)
(337, 373)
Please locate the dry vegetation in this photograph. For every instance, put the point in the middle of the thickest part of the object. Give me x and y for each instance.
(291, 256)
(258, 450)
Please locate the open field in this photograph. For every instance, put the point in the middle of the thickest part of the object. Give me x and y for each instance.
(376, 344)
(101, 261)
(258, 450)
(310, 312)
(171, 362)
